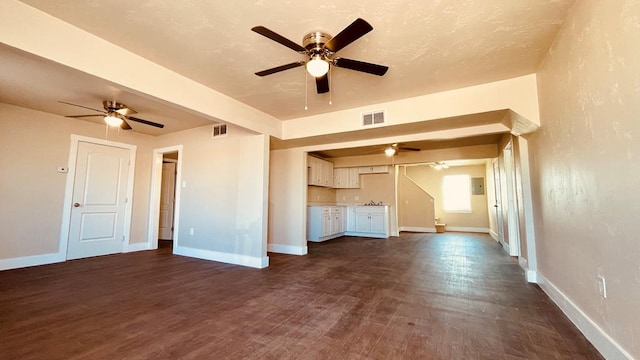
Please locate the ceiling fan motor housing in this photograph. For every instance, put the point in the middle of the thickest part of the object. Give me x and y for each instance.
(314, 43)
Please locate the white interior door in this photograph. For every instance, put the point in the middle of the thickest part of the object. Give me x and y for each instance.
(498, 202)
(99, 198)
(167, 199)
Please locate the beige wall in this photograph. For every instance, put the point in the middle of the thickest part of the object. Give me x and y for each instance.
(321, 195)
(288, 199)
(33, 144)
(224, 199)
(373, 187)
(377, 188)
(431, 180)
(416, 210)
(585, 167)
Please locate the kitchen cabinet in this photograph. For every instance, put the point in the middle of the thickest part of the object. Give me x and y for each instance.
(354, 178)
(380, 169)
(351, 219)
(337, 220)
(369, 221)
(346, 178)
(319, 172)
(325, 222)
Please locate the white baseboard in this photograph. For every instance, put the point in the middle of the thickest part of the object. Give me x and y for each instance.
(35, 260)
(418, 229)
(287, 249)
(530, 275)
(608, 347)
(494, 235)
(236, 259)
(505, 248)
(524, 264)
(370, 235)
(135, 247)
(467, 229)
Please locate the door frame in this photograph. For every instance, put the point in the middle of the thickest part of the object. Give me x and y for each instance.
(68, 191)
(513, 219)
(497, 198)
(154, 203)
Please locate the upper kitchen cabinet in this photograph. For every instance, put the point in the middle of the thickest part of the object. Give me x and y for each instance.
(346, 178)
(380, 169)
(320, 172)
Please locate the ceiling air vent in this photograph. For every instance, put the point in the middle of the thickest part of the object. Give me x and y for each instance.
(373, 118)
(218, 130)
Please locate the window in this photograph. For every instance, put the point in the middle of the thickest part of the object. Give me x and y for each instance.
(456, 193)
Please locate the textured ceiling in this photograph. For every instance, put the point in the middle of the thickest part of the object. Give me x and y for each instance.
(429, 46)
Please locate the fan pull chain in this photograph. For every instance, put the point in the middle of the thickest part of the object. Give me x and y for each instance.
(306, 91)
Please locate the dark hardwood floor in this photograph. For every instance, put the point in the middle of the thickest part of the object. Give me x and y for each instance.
(420, 296)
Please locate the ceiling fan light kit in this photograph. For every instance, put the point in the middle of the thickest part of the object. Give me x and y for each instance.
(317, 66)
(320, 49)
(113, 120)
(390, 151)
(439, 165)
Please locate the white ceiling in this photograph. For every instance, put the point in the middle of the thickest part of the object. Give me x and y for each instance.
(429, 46)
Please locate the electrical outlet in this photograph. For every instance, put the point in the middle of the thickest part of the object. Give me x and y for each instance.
(191, 232)
(602, 286)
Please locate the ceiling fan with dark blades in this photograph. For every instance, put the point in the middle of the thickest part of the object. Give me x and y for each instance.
(395, 148)
(114, 114)
(320, 49)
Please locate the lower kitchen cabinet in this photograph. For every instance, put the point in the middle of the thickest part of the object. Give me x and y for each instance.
(369, 221)
(325, 222)
(330, 222)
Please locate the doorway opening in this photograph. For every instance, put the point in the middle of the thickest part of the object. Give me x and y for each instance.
(165, 198)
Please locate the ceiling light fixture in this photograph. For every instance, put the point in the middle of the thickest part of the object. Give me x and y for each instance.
(317, 66)
(439, 165)
(390, 151)
(112, 120)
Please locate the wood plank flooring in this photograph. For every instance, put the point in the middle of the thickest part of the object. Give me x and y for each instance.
(420, 296)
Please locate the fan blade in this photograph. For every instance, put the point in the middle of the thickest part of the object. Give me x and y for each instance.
(322, 84)
(125, 125)
(143, 121)
(85, 107)
(370, 68)
(278, 38)
(280, 68)
(401, 148)
(350, 34)
(81, 116)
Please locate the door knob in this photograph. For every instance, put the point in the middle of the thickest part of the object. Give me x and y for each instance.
(76, 204)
